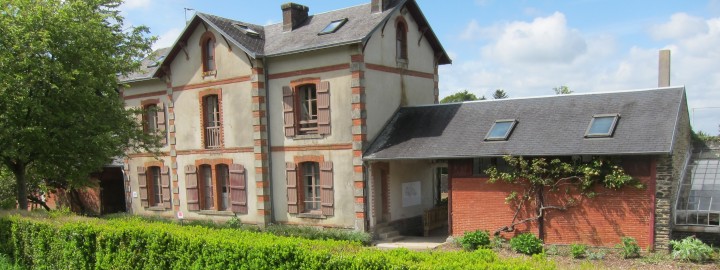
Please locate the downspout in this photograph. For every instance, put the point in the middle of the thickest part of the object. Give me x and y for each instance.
(366, 203)
(269, 141)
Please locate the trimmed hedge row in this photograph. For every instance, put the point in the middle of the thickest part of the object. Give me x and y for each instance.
(81, 243)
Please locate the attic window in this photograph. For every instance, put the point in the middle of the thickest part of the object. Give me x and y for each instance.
(246, 30)
(333, 27)
(501, 129)
(157, 62)
(602, 125)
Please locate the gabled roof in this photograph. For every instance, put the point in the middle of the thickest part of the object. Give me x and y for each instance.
(547, 126)
(148, 67)
(272, 41)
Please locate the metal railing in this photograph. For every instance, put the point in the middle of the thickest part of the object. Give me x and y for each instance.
(212, 137)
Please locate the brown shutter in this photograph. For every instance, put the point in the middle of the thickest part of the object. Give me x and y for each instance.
(238, 189)
(292, 190)
(161, 123)
(165, 181)
(289, 113)
(191, 187)
(327, 195)
(142, 183)
(323, 103)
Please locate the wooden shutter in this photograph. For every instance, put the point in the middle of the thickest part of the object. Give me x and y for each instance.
(238, 189)
(288, 111)
(323, 103)
(165, 182)
(292, 190)
(327, 195)
(191, 187)
(161, 123)
(142, 183)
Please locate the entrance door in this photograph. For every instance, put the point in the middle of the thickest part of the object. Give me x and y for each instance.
(112, 191)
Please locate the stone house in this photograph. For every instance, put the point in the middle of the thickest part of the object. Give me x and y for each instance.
(268, 123)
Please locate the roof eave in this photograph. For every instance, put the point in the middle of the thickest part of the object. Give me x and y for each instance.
(315, 48)
(524, 155)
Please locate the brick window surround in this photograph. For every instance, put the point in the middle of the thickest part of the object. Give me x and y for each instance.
(207, 46)
(299, 95)
(228, 184)
(154, 185)
(401, 45)
(297, 186)
(212, 133)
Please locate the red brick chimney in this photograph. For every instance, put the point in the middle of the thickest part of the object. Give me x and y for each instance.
(380, 5)
(293, 15)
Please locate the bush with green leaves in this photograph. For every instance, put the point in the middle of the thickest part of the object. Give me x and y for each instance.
(578, 251)
(526, 243)
(87, 243)
(691, 249)
(598, 255)
(475, 239)
(629, 248)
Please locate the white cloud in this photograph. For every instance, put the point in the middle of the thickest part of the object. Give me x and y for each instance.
(544, 40)
(134, 4)
(530, 58)
(681, 25)
(167, 39)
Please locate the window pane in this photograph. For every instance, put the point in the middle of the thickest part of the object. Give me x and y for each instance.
(601, 125)
(207, 187)
(311, 176)
(157, 185)
(209, 55)
(333, 26)
(150, 118)
(500, 130)
(223, 180)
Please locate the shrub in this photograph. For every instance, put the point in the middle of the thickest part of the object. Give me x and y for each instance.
(526, 243)
(691, 249)
(475, 239)
(319, 234)
(629, 248)
(498, 242)
(87, 243)
(599, 255)
(578, 251)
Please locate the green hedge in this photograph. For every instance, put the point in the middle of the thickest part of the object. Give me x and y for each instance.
(83, 243)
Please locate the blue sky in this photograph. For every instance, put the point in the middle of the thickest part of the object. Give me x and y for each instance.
(529, 47)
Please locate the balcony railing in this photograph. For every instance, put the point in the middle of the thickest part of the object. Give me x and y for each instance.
(212, 137)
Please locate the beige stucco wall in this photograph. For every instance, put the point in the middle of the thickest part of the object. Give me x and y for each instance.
(407, 171)
(188, 69)
(381, 47)
(342, 187)
(143, 87)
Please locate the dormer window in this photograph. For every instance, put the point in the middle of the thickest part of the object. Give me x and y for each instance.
(333, 27)
(602, 125)
(501, 129)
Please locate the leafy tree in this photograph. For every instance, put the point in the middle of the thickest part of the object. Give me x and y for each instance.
(461, 96)
(540, 177)
(562, 90)
(61, 116)
(500, 94)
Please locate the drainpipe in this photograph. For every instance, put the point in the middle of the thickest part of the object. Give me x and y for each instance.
(366, 184)
(269, 141)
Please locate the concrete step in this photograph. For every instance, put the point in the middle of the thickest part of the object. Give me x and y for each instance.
(395, 238)
(388, 235)
(383, 229)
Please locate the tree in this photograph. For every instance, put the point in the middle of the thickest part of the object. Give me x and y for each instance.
(568, 181)
(562, 90)
(461, 96)
(61, 116)
(500, 94)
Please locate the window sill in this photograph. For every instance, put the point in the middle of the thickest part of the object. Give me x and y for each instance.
(156, 209)
(312, 216)
(217, 213)
(308, 137)
(209, 73)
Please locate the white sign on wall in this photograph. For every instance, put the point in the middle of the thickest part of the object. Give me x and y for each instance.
(411, 194)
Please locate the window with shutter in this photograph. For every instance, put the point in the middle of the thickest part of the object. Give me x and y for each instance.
(310, 172)
(154, 184)
(292, 193)
(223, 190)
(307, 107)
(207, 200)
(191, 188)
(142, 184)
(211, 120)
(308, 115)
(238, 190)
(327, 194)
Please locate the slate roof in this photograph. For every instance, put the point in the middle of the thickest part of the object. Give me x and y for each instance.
(274, 42)
(547, 126)
(148, 67)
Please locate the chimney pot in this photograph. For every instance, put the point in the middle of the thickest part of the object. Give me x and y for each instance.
(664, 69)
(293, 15)
(380, 5)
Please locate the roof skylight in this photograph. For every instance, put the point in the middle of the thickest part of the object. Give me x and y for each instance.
(333, 26)
(602, 125)
(501, 129)
(246, 30)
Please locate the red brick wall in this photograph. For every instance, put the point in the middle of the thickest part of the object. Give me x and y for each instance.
(601, 221)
